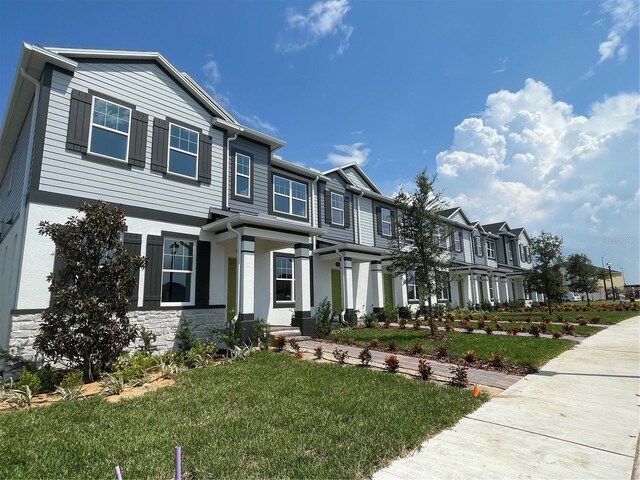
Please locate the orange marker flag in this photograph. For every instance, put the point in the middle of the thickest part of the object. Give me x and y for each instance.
(476, 391)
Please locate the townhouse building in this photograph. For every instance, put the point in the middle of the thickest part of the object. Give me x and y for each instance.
(230, 228)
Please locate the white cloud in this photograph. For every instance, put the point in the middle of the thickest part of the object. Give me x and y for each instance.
(503, 65)
(354, 153)
(530, 160)
(624, 17)
(323, 19)
(212, 79)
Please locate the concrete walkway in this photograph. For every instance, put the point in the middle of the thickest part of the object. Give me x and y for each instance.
(408, 364)
(579, 417)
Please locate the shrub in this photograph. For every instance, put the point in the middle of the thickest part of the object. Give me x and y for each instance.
(148, 338)
(370, 320)
(534, 330)
(293, 343)
(298, 355)
(402, 323)
(529, 319)
(424, 369)
(340, 355)
(323, 318)
(481, 323)
(499, 327)
(441, 352)
(365, 356)
(200, 355)
(417, 349)
(582, 320)
(567, 328)
(30, 380)
(496, 360)
(87, 324)
(417, 324)
(512, 332)
(374, 343)
(136, 366)
(390, 313)
(392, 346)
(112, 385)
(460, 376)
(392, 363)
(386, 322)
(560, 319)
(72, 379)
(404, 312)
(595, 319)
(556, 334)
(185, 337)
(279, 342)
(351, 318)
(448, 327)
(48, 378)
(470, 357)
(488, 329)
(543, 327)
(351, 341)
(438, 310)
(318, 352)
(496, 319)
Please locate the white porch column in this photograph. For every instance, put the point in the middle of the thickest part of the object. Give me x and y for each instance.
(534, 297)
(377, 286)
(455, 295)
(505, 286)
(496, 289)
(347, 283)
(246, 295)
(468, 297)
(475, 292)
(485, 287)
(302, 287)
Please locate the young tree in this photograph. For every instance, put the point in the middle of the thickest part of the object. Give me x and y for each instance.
(87, 325)
(545, 275)
(583, 276)
(420, 243)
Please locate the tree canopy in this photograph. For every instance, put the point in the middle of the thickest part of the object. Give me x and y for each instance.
(583, 276)
(546, 275)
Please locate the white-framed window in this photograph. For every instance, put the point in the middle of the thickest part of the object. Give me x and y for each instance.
(477, 241)
(243, 175)
(289, 196)
(109, 132)
(183, 151)
(412, 291)
(491, 249)
(509, 251)
(385, 221)
(441, 237)
(337, 209)
(178, 282)
(283, 278)
(528, 253)
(523, 255)
(457, 241)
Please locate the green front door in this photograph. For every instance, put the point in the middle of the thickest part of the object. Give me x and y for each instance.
(231, 288)
(460, 297)
(336, 291)
(388, 289)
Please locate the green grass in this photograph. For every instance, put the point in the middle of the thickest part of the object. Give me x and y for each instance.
(525, 351)
(606, 318)
(578, 329)
(269, 416)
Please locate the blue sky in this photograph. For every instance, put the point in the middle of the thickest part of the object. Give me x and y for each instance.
(528, 110)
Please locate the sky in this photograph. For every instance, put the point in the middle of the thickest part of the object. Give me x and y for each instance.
(527, 111)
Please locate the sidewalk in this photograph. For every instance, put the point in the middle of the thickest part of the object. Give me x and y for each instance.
(579, 417)
(488, 378)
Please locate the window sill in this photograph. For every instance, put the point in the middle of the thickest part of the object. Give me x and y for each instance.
(240, 198)
(284, 304)
(112, 162)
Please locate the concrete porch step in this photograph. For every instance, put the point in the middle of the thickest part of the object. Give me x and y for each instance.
(286, 331)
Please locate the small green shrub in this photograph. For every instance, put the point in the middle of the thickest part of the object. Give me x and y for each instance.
(370, 320)
(200, 355)
(424, 369)
(392, 363)
(375, 343)
(351, 318)
(390, 313)
(392, 345)
(148, 339)
(365, 356)
(48, 378)
(323, 318)
(185, 337)
(112, 385)
(404, 312)
(136, 366)
(417, 349)
(72, 379)
(28, 379)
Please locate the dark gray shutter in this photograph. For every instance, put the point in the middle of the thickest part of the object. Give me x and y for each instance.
(327, 207)
(203, 262)
(160, 145)
(347, 212)
(379, 220)
(393, 223)
(204, 159)
(79, 121)
(58, 265)
(138, 138)
(153, 272)
(132, 244)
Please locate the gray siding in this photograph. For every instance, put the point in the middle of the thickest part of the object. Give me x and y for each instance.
(366, 222)
(466, 246)
(500, 251)
(261, 190)
(153, 92)
(479, 260)
(13, 181)
(523, 241)
(459, 218)
(336, 233)
(379, 240)
(356, 179)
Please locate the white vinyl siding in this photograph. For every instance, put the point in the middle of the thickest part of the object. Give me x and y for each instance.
(152, 92)
(365, 222)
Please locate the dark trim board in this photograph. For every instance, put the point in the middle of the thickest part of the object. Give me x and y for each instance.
(69, 201)
(167, 233)
(260, 227)
(31, 311)
(41, 122)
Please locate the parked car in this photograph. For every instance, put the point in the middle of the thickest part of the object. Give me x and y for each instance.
(572, 297)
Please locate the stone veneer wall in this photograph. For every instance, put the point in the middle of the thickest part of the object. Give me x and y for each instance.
(164, 323)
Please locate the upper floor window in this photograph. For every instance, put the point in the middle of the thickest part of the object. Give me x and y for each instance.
(283, 278)
(289, 196)
(177, 272)
(412, 291)
(243, 175)
(457, 241)
(528, 253)
(109, 134)
(509, 252)
(183, 151)
(491, 249)
(337, 209)
(385, 220)
(477, 240)
(440, 237)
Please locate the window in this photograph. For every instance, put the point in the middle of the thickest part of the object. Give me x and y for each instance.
(528, 253)
(457, 241)
(477, 240)
(509, 252)
(283, 278)
(412, 291)
(177, 272)
(523, 255)
(109, 134)
(289, 196)
(491, 249)
(243, 175)
(337, 209)
(440, 237)
(385, 220)
(183, 151)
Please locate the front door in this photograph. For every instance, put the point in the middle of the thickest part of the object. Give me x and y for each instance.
(336, 291)
(231, 288)
(460, 296)
(388, 289)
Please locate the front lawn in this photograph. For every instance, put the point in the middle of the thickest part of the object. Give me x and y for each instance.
(269, 416)
(525, 351)
(606, 318)
(584, 330)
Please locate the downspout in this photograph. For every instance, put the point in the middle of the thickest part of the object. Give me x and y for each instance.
(27, 175)
(238, 272)
(342, 286)
(358, 215)
(314, 220)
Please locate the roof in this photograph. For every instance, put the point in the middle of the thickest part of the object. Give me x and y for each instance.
(358, 169)
(449, 212)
